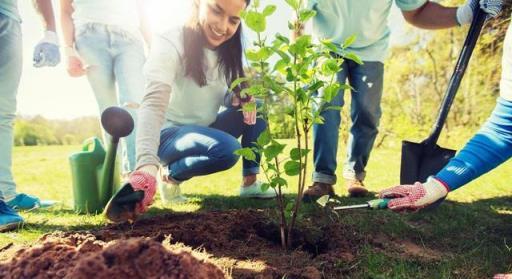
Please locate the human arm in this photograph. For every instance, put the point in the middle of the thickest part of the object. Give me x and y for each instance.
(75, 66)
(432, 15)
(46, 52)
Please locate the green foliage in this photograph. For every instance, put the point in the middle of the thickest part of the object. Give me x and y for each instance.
(289, 86)
(40, 131)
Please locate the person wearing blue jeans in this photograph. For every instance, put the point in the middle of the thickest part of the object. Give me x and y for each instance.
(188, 76)
(46, 53)
(367, 20)
(487, 149)
(105, 41)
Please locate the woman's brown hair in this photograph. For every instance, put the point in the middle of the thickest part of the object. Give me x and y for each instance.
(230, 53)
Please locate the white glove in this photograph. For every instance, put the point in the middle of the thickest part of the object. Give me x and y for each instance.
(414, 197)
(46, 52)
(466, 11)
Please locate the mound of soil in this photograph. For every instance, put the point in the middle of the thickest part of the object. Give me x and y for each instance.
(82, 256)
(245, 243)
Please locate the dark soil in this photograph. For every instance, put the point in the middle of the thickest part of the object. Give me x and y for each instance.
(244, 243)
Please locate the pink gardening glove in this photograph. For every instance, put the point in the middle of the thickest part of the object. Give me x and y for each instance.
(503, 276)
(249, 116)
(415, 197)
(146, 182)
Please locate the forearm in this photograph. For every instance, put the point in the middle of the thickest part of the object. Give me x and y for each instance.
(489, 148)
(68, 30)
(432, 16)
(45, 9)
(151, 117)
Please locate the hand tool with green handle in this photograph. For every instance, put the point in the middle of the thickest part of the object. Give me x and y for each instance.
(373, 204)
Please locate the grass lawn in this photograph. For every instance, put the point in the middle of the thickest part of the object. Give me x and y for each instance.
(470, 235)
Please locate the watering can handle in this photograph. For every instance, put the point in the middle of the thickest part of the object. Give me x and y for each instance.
(94, 142)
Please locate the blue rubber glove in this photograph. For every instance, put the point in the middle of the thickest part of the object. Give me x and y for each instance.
(46, 52)
(465, 12)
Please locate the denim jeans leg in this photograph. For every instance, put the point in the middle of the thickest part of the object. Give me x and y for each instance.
(93, 46)
(10, 73)
(128, 63)
(367, 81)
(325, 137)
(231, 121)
(191, 150)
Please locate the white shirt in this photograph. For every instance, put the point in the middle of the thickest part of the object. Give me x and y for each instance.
(189, 104)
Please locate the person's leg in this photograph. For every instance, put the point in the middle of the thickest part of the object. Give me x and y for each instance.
(326, 135)
(325, 143)
(367, 81)
(191, 150)
(128, 63)
(231, 121)
(10, 74)
(490, 147)
(93, 46)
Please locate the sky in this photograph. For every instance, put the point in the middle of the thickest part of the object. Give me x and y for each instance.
(50, 92)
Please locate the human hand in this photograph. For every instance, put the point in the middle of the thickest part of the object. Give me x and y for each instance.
(465, 12)
(75, 65)
(46, 52)
(414, 197)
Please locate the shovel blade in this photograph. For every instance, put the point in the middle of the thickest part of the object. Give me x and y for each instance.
(121, 206)
(420, 160)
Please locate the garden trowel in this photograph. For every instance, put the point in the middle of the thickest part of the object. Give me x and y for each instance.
(421, 160)
(372, 204)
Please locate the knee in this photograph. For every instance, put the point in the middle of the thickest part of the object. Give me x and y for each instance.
(224, 152)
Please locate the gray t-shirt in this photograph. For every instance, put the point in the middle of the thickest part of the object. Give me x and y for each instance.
(173, 99)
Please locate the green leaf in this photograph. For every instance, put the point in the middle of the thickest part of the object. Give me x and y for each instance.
(256, 21)
(281, 181)
(306, 15)
(269, 10)
(294, 4)
(354, 58)
(349, 41)
(323, 200)
(273, 150)
(292, 168)
(295, 154)
(264, 138)
(237, 82)
(247, 153)
(282, 38)
(330, 92)
(264, 187)
(329, 45)
(315, 86)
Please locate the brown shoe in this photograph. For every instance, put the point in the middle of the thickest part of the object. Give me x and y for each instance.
(356, 188)
(316, 191)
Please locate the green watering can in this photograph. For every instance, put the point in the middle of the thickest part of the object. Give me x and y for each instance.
(94, 172)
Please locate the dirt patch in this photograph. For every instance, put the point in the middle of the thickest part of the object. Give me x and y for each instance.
(243, 243)
(82, 256)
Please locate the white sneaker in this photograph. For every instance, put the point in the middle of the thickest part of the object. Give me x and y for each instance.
(171, 193)
(254, 191)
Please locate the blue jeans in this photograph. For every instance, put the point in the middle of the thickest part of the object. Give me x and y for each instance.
(114, 55)
(10, 74)
(192, 150)
(365, 112)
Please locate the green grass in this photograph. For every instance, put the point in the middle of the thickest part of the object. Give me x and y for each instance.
(472, 231)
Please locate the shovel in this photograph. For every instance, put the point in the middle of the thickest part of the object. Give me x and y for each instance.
(421, 160)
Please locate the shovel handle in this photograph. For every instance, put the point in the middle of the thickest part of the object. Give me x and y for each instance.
(378, 203)
(458, 73)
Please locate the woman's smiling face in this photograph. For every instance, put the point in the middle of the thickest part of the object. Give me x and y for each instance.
(220, 19)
